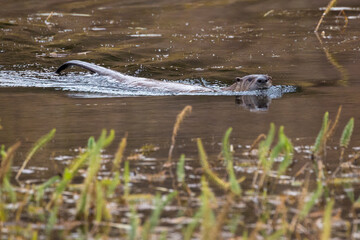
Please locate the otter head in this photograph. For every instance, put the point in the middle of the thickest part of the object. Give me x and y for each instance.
(252, 82)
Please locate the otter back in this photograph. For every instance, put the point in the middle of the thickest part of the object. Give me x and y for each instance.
(135, 81)
(246, 83)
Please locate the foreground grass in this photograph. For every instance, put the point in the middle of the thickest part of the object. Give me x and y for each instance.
(228, 204)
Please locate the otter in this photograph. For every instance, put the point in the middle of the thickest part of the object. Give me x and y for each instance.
(246, 83)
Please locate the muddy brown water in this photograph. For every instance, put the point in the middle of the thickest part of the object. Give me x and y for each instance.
(199, 42)
(196, 42)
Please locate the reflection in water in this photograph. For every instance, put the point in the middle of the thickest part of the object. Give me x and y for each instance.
(344, 74)
(254, 103)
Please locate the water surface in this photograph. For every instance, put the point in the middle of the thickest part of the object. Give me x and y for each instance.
(197, 42)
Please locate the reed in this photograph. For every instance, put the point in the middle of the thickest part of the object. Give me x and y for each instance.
(90, 182)
(327, 10)
(346, 136)
(207, 170)
(282, 150)
(104, 207)
(326, 233)
(153, 221)
(180, 117)
(180, 170)
(119, 154)
(38, 144)
(233, 183)
(320, 142)
(208, 220)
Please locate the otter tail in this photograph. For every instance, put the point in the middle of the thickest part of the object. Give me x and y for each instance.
(89, 66)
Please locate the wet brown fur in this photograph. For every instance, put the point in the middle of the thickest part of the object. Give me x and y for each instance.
(250, 83)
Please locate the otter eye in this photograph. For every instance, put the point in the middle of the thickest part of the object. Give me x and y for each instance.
(238, 79)
(250, 79)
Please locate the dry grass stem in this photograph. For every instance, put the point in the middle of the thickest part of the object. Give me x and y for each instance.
(301, 170)
(346, 20)
(48, 18)
(330, 5)
(119, 153)
(256, 141)
(6, 162)
(333, 126)
(180, 117)
(38, 144)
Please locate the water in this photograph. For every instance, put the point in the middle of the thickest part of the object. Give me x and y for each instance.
(203, 43)
(196, 42)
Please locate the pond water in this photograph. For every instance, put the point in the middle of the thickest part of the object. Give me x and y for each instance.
(198, 42)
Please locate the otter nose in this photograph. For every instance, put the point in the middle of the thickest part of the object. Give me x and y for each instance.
(262, 80)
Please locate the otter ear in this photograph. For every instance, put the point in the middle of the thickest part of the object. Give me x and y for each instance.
(238, 79)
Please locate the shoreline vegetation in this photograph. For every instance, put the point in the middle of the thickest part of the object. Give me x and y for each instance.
(78, 204)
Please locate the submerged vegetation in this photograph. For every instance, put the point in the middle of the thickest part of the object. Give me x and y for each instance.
(271, 202)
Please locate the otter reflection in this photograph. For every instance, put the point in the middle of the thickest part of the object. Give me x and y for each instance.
(254, 103)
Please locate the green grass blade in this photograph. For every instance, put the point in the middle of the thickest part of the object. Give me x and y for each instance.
(264, 148)
(270, 136)
(346, 134)
(7, 187)
(287, 149)
(40, 190)
(100, 202)
(208, 222)
(38, 144)
(6, 161)
(91, 142)
(126, 180)
(119, 154)
(90, 181)
(134, 223)
(349, 190)
(114, 183)
(321, 137)
(205, 165)
(155, 215)
(195, 220)
(52, 219)
(314, 197)
(226, 146)
(180, 169)
(326, 232)
(234, 185)
(276, 235)
(108, 140)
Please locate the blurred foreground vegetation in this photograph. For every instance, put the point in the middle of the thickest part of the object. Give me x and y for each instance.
(79, 204)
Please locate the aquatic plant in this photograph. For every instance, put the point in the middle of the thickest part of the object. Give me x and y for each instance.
(40, 143)
(180, 117)
(283, 151)
(220, 206)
